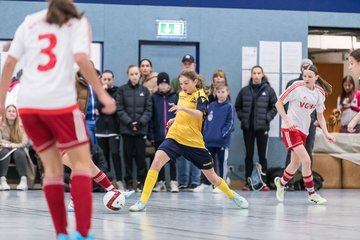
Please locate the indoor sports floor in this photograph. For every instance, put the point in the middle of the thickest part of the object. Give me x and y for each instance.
(24, 215)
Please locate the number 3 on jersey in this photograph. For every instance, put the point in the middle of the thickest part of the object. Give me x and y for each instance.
(48, 51)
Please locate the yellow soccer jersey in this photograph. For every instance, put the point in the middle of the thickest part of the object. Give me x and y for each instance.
(186, 129)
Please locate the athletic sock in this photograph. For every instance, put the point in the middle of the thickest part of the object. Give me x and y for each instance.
(286, 178)
(225, 189)
(150, 181)
(54, 194)
(309, 184)
(103, 181)
(81, 186)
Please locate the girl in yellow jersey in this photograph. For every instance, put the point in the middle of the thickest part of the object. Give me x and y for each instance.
(185, 139)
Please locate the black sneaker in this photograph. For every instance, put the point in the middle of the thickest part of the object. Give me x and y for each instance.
(192, 187)
(183, 188)
(290, 186)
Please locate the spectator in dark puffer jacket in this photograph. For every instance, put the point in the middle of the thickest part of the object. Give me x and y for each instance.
(255, 107)
(134, 109)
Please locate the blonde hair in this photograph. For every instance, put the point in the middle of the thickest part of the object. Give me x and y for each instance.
(16, 134)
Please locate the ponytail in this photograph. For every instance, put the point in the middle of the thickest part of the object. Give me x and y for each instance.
(60, 11)
(324, 85)
(320, 81)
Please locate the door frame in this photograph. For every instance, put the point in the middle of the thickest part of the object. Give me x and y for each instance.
(172, 43)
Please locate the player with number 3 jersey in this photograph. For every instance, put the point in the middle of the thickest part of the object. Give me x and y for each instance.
(49, 43)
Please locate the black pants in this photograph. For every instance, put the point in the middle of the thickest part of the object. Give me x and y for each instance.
(19, 157)
(171, 163)
(261, 141)
(309, 143)
(111, 149)
(134, 148)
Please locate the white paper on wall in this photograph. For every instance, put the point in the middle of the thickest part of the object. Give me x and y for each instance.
(96, 55)
(269, 57)
(245, 78)
(291, 55)
(249, 57)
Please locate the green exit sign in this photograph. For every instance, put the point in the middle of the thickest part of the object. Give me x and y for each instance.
(171, 28)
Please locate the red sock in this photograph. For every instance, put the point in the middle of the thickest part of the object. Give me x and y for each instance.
(54, 194)
(286, 178)
(81, 185)
(309, 184)
(103, 181)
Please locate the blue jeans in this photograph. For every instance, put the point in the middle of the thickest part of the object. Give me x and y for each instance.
(90, 125)
(220, 156)
(188, 173)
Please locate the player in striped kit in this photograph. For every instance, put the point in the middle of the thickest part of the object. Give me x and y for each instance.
(303, 97)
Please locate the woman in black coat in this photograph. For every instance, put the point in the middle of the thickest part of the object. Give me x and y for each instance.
(255, 107)
(134, 108)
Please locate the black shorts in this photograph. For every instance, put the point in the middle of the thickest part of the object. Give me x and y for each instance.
(200, 157)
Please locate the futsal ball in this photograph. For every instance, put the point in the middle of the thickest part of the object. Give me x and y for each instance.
(114, 200)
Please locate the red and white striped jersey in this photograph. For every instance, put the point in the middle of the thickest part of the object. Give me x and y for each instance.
(302, 102)
(47, 54)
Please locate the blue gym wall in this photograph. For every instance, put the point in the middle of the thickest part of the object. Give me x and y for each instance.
(221, 33)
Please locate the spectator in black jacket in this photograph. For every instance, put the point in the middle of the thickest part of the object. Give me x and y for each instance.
(134, 109)
(255, 107)
(108, 130)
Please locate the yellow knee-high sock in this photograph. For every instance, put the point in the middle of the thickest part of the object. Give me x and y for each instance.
(150, 181)
(225, 189)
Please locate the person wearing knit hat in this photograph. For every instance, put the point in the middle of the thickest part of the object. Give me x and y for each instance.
(163, 77)
(162, 100)
(305, 63)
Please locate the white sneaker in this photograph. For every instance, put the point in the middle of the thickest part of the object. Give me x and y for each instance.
(228, 181)
(174, 187)
(317, 199)
(280, 190)
(70, 207)
(4, 186)
(216, 190)
(240, 201)
(128, 194)
(199, 188)
(160, 187)
(23, 184)
(139, 206)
